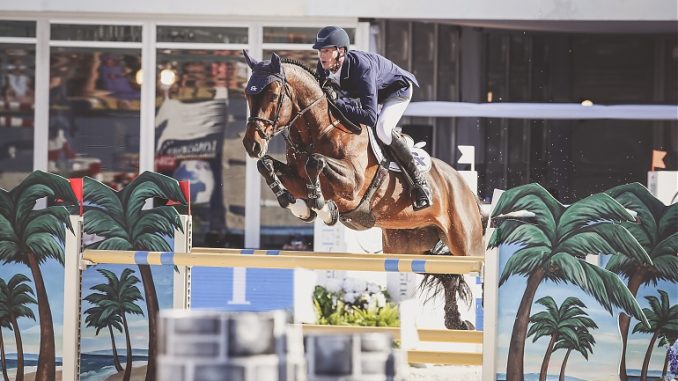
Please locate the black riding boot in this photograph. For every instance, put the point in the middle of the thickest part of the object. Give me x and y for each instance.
(420, 192)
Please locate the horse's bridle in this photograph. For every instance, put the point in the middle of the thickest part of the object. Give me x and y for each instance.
(274, 123)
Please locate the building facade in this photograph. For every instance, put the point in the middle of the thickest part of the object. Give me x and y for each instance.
(109, 90)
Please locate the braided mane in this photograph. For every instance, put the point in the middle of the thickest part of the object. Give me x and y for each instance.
(300, 64)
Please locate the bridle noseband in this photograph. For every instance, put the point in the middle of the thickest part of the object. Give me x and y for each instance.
(274, 122)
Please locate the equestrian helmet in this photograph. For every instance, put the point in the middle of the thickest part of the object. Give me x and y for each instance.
(332, 36)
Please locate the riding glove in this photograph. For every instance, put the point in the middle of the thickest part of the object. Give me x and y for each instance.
(331, 93)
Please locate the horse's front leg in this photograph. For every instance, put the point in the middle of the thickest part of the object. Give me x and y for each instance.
(327, 210)
(268, 167)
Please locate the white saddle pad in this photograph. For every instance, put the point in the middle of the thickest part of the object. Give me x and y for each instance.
(421, 157)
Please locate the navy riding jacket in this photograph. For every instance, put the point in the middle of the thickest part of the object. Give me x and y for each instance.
(371, 78)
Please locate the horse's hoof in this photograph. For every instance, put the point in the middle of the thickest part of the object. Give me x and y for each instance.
(286, 199)
(316, 203)
(468, 326)
(334, 213)
(310, 218)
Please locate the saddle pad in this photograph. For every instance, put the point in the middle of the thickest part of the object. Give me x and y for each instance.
(421, 157)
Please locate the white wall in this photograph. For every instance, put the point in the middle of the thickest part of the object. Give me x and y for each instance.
(666, 10)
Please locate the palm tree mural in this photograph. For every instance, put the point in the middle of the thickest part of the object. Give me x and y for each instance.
(554, 248)
(31, 237)
(119, 218)
(583, 343)
(663, 321)
(4, 323)
(15, 295)
(99, 317)
(657, 232)
(117, 297)
(557, 322)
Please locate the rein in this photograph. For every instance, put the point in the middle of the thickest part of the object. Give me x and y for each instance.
(274, 123)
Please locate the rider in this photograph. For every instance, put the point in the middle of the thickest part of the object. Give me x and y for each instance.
(374, 80)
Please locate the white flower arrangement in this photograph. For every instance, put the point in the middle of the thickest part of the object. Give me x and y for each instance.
(356, 292)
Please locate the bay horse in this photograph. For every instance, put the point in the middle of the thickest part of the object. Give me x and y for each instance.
(331, 173)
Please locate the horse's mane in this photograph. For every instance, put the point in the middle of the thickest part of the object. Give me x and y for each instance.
(301, 65)
(317, 80)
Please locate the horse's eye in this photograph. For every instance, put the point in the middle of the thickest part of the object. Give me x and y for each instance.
(274, 97)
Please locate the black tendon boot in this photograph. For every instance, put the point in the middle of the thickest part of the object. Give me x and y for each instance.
(420, 192)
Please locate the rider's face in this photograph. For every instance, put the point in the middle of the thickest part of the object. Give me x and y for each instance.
(328, 57)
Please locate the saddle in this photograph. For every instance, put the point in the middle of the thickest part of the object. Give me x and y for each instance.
(421, 157)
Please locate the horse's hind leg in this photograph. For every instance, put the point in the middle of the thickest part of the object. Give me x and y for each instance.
(420, 241)
(268, 167)
(455, 287)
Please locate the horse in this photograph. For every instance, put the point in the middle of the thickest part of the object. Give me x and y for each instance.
(331, 173)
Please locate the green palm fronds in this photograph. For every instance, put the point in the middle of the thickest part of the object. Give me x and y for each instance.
(558, 322)
(112, 302)
(117, 295)
(663, 322)
(562, 237)
(15, 296)
(120, 219)
(656, 230)
(553, 247)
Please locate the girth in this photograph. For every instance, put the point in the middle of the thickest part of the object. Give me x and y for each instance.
(361, 217)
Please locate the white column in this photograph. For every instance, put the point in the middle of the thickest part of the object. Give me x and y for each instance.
(70, 351)
(147, 123)
(183, 242)
(41, 125)
(252, 177)
(490, 302)
(362, 36)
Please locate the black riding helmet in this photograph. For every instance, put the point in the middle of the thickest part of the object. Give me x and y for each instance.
(331, 36)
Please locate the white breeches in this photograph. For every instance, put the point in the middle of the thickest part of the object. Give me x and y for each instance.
(391, 111)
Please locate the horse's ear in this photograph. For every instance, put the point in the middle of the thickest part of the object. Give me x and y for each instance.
(250, 61)
(275, 63)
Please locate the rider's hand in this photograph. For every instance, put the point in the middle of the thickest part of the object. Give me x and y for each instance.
(331, 93)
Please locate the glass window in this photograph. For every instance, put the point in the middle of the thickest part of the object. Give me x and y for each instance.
(17, 83)
(201, 113)
(398, 43)
(297, 35)
(448, 63)
(115, 33)
(202, 34)
(423, 58)
(671, 72)
(94, 101)
(497, 58)
(17, 28)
